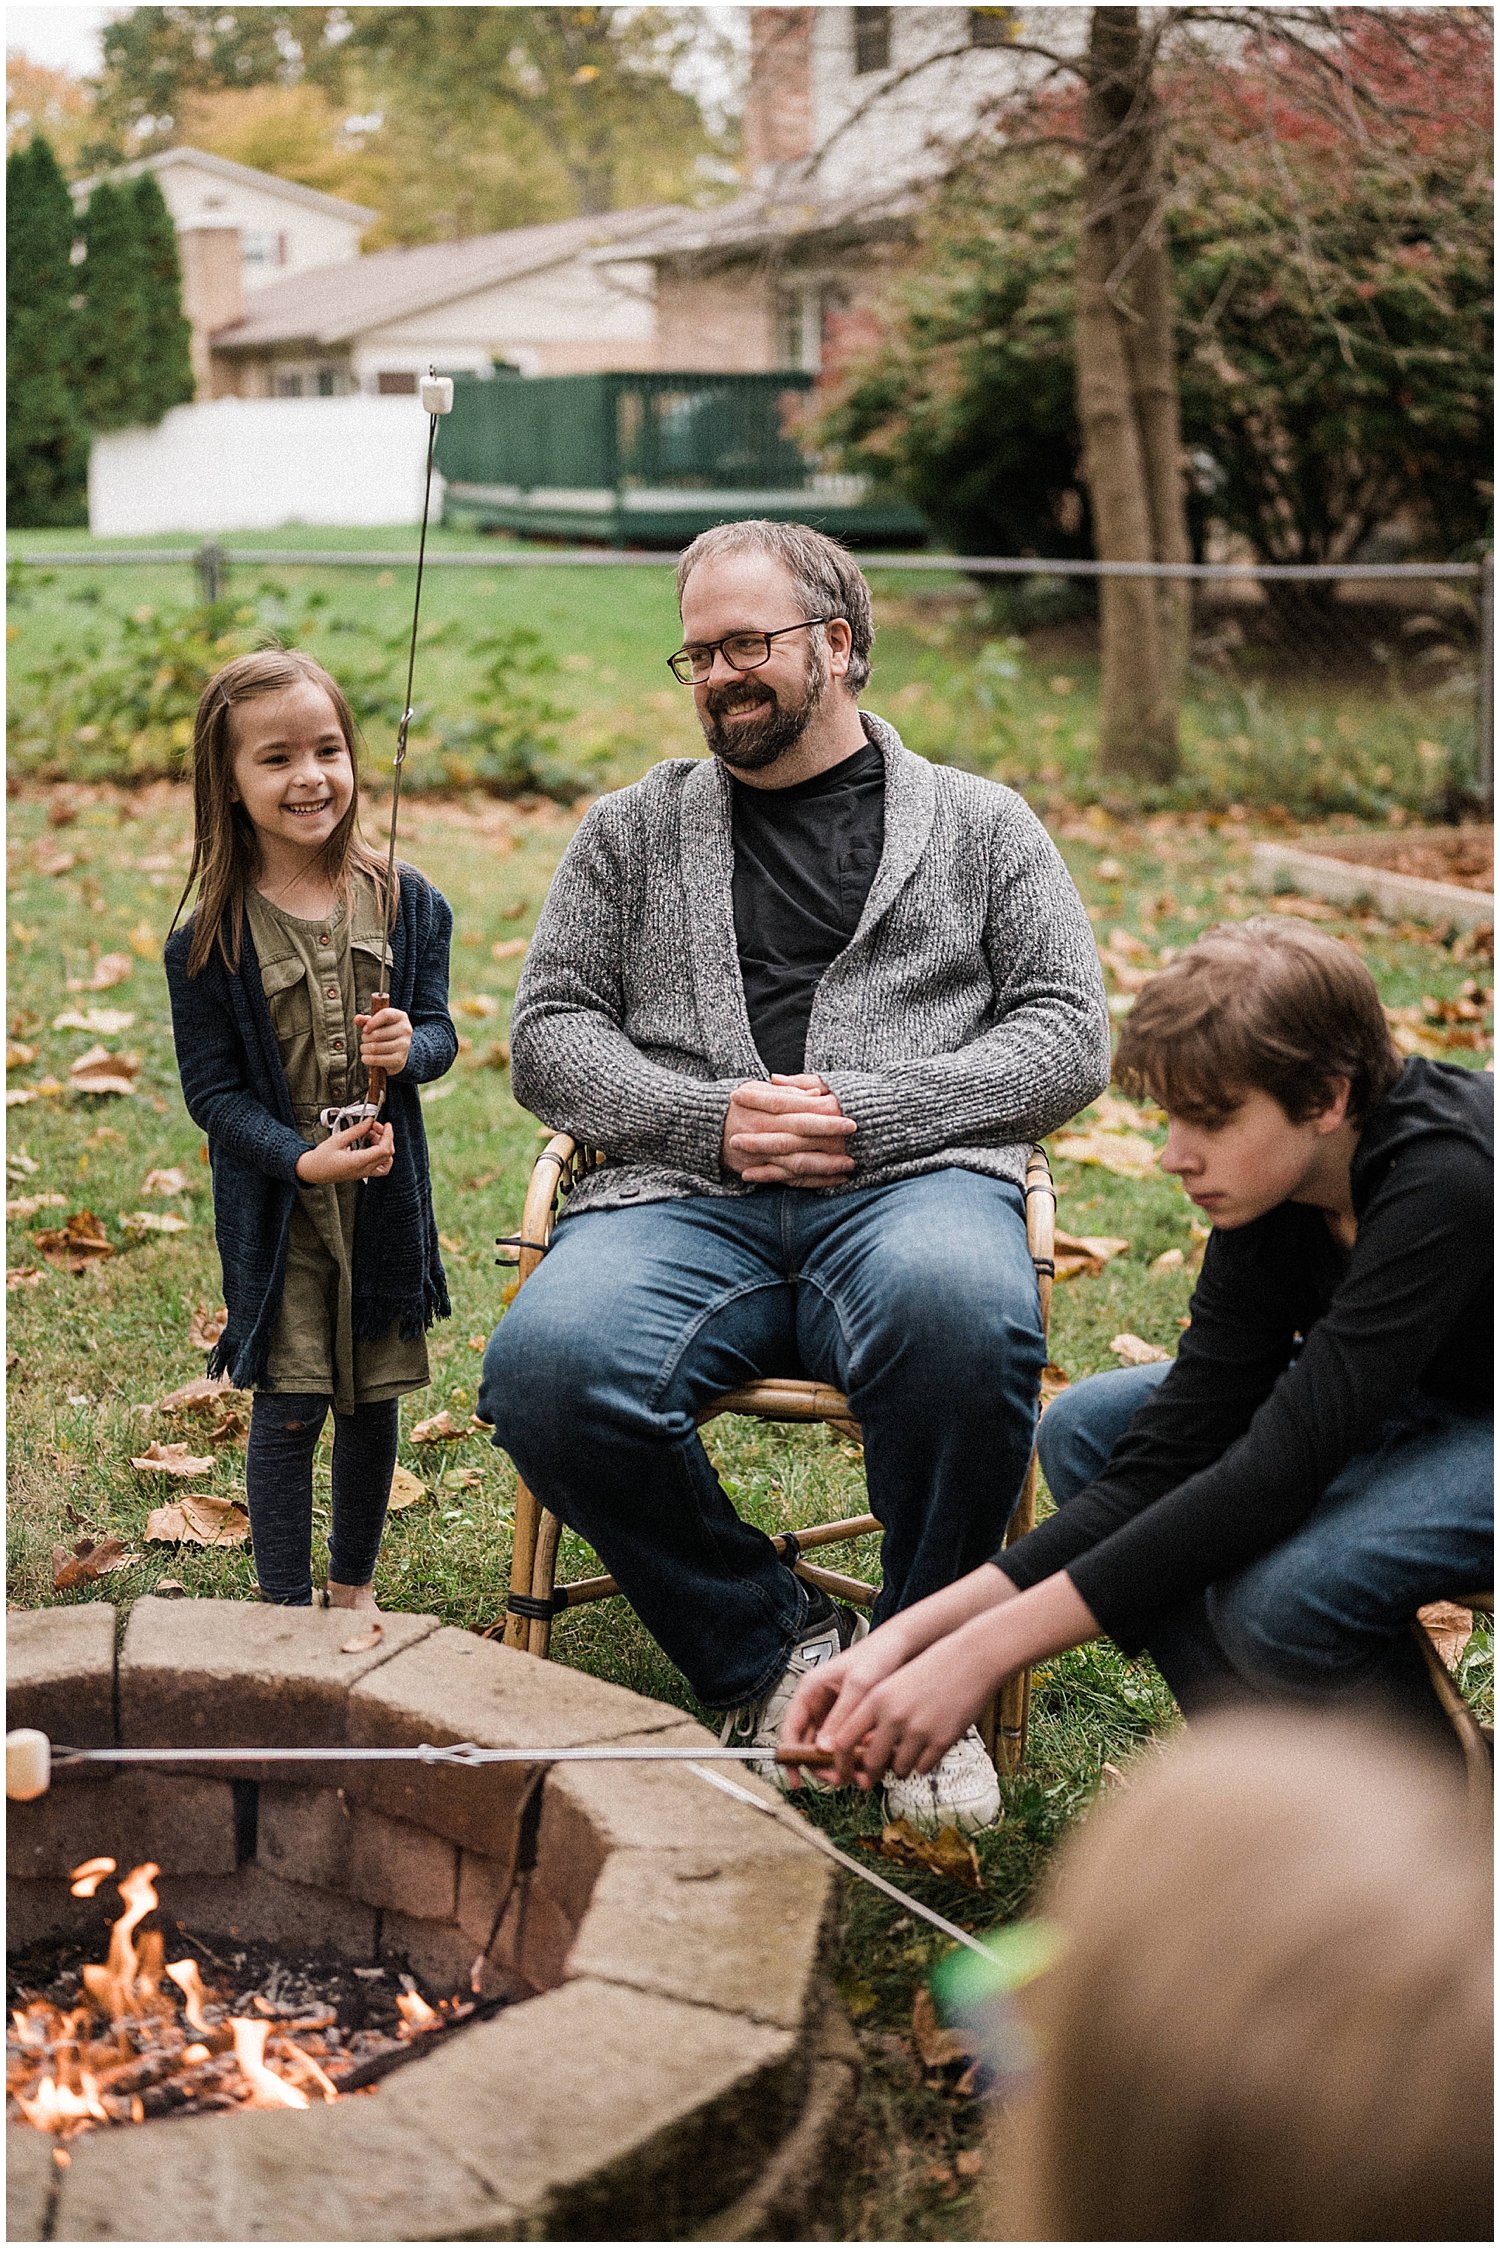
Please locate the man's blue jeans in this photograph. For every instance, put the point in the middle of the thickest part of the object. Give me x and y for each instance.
(1324, 1613)
(917, 1299)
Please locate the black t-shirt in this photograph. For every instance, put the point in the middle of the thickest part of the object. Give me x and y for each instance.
(804, 859)
(1234, 1450)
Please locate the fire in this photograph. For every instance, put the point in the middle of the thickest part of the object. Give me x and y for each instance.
(417, 2014)
(184, 1973)
(55, 2108)
(86, 1878)
(267, 2089)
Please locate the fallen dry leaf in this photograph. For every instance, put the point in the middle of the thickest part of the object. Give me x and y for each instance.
(102, 1022)
(27, 1205)
(232, 1429)
(144, 941)
(199, 1519)
(76, 1244)
(89, 1559)
(363, 1641)
(175, 1459)
(1084, 1252)
(152, 1221)
(440, 1429)
(1126, 1153)
(17, 1096)
(201, 1396)
(205, 1327)
(1054, 1381)
(461, 1479)
(510, 948)
(1112, 1113)
(406, 1490)
(171, 1588)
(479, 1006)
(17, 1055)
(1169, 1261)
(48, 858)
(938, 2045)
(22, 1276)
(1305, 909)
(172, 1180)
(495, 1056)
(1448, 1627)
(109, 969)
(1133, 1350)
(947, 1851)
(100, 1071)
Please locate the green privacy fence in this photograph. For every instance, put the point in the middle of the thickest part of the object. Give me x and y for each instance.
(646, 459)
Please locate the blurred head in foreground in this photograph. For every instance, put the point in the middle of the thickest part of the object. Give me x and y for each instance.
(1271, 2014)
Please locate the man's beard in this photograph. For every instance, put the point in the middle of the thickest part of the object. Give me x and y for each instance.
(755, 743)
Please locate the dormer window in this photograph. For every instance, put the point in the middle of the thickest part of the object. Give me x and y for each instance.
(872, 40)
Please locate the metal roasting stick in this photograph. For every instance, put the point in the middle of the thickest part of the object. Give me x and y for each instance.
(437, 398)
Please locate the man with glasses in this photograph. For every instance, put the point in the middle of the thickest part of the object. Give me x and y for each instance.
(814, 996)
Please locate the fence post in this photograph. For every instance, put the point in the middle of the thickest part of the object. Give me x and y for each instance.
(209, 564)
(1484, 746)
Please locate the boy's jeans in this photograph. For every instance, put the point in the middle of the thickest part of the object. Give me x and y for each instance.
(1325, 1611)
(917, 1299)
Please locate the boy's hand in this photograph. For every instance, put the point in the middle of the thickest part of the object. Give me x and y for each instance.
(879, 1712)
(385, 1040)
(360, 1151)
(829, 1696)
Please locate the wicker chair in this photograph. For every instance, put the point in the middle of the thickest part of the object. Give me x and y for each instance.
(536, 1597)
(1474, 1739)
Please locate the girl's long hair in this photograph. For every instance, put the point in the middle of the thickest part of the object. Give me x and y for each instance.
(224, 848)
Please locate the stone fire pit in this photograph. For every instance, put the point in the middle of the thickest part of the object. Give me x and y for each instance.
(675, 2074)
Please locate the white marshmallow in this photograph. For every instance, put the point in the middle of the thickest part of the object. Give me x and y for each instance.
(28, 1764)
(437, 394)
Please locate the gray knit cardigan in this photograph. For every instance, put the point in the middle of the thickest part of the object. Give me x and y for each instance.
(964, 1018)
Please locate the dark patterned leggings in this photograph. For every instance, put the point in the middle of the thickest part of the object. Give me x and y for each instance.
(284, 1432)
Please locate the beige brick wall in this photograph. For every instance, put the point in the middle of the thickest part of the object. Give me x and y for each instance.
(778, 106)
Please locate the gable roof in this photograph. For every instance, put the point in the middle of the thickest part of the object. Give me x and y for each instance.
(243, 175)
(766, 220)
(335, 302)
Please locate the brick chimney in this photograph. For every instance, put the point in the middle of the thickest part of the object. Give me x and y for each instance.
(778, 105)
(213, 295)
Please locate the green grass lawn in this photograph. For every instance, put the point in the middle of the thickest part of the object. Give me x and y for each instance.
(90, 1353)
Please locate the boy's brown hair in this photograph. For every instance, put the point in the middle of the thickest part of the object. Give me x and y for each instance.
(1259, 1006)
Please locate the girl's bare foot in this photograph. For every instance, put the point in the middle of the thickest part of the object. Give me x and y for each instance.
(352, 1596)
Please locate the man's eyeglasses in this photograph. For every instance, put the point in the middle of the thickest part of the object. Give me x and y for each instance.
(742, 651)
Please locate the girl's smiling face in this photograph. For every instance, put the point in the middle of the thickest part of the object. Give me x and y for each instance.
(291, 767)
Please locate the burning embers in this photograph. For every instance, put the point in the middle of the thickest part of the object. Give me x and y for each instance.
(150, 2038)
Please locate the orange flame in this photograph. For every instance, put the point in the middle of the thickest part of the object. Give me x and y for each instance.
(53, 2107)
(267, 2089)
(86, 1878)
(112, 1986)
(184, 1973)
(417, 2014)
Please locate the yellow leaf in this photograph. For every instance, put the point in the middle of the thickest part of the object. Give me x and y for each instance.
(198, 1519)
(946, 1851)
(152, 1221)
(109, 969)
(144, 941)
(1126, 1153)
(406, 1490)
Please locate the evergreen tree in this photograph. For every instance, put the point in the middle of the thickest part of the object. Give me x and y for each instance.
(166, 372)
(116, 291)
(46, 447)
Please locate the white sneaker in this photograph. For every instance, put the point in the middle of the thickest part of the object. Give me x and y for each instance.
(758, 1724)
(962, 1791)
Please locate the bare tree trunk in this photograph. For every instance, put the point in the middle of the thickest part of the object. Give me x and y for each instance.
(1127, 401)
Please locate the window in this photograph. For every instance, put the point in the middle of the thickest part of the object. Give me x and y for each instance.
(990, 27)
(288, 385)
(872, 40)
(263, 249)
(393, 383)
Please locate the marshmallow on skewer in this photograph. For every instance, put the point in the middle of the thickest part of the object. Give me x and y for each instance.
(437, 394)
(28, 1764)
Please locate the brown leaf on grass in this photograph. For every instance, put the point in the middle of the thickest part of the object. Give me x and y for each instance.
(440, 1429)
(232, 1429)
(1127, 1154)
(1054, 1382)
(175, 1459)
(144, 941)
(1085, 1252)
(478, 1006)
(100, 1022)
(495, 1056)
(205, 1327)
(1133, 1350)
(17, 1096)
(1448, 1627)
(510, 948)
(100, 1071)
(1305, 909)
(198, 1519)
(17, 1055)
(938, 2045)
(1170, 1260)
(201, 1396)
(76, 1244)
(90, 1558)
(152, 1221)
(22, 1276)
(27, 1205)
(109, 969)
(171, 1588)
(947, 1851)
(170, 1180)
(406, 1490)
(1111, 1113)
(461, 1479)
(49, 858)
(363, 1641)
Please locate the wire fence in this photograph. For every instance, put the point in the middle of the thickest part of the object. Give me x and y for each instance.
(1348, 646)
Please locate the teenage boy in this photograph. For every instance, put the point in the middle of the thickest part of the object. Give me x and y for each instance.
(1266, 1513)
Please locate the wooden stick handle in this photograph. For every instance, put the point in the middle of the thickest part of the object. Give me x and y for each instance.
(375, 1082)
(809, 1759)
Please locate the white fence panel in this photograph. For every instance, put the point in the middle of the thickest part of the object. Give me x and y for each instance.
(254, 464)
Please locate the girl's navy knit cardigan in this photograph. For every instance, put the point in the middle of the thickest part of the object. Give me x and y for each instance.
(236, 1091)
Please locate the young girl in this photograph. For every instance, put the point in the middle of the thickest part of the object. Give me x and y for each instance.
(327, 1237)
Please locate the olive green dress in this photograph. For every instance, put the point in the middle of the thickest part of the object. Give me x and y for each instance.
(317, 975)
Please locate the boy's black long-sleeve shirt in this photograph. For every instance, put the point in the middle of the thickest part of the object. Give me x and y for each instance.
(1237, 1446)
